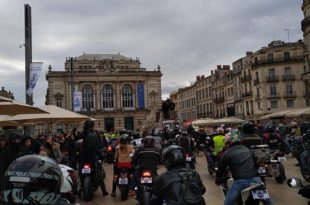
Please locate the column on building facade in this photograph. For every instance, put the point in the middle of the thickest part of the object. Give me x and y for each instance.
(118, 94)
(134, 90)
(97, 97)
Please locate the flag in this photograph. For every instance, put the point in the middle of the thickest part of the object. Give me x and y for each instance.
(35, 70)
(77, 101)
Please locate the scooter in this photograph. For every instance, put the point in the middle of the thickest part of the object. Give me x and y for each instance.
(303, 190)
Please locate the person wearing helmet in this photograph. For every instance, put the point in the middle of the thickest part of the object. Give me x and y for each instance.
(168, 186)
(3, 142)
(305, 143)
(123, 157)
(274, 140)
(146, 158)
(188, 144)
(92, 146)
(241, 163)
(32, 179)
(158, 140)
(248, 135)
(13, 151)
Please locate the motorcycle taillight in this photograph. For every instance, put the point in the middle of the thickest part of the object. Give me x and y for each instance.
(87, 166)
(109, 148)
(146, 174)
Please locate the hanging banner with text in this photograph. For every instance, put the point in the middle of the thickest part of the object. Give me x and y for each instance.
(77, 101)
(140, 89)
(35, 70)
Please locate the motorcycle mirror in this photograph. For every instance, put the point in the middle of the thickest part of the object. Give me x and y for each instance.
(294, 182)
(63, 201)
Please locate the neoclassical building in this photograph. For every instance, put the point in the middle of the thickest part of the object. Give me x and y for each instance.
(111, 87)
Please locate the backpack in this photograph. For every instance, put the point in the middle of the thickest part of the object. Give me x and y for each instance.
(191, 190)
(91, 140)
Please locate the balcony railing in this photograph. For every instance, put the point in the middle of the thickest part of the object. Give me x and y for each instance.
(289, 95)
(273, 95)
(247, 94)
(278, 61)
(246, 78)
(238, 98)
(288, 77)
(219, 100)
(306, 76)
(270, 79)
(256, 81)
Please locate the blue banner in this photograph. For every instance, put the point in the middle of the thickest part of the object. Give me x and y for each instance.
(140, 89)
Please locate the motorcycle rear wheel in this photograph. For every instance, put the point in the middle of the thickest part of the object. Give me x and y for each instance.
(282, 177)
(87, 189)
(124, 189)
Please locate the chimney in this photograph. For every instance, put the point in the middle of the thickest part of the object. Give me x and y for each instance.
(197, 78)
(248, 53)
(219, 67)
(211, 72)
(226, 67)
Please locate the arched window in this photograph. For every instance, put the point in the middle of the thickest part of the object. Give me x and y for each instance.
(127, 96)
(107, 97)
(88, 98)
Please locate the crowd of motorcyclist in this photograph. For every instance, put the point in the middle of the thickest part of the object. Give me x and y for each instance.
(225, 148)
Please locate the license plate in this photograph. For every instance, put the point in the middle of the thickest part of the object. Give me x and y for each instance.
(146, 180)
(282, 159)
(86, 170)
(262, 170)
(188, 159)
(260, 194)
(123, 181)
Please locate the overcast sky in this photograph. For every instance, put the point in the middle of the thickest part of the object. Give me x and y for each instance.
(185, 37)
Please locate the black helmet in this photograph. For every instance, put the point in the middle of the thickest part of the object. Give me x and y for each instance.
(124, 139)
(304, 127)
(88, 124)
(269, 128)
(148, 141)
(247, 128)
(172, 156)
(32, 179)
(14, 138)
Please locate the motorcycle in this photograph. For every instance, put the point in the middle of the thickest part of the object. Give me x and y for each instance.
(123, 180)
(269, 162)
(252, 195)
(303, 190)
(70, 183)
(144, 187)
(90, 176)
(109, 154)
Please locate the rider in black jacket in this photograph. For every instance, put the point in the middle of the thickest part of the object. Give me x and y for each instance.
(241, 163)
(168, 186)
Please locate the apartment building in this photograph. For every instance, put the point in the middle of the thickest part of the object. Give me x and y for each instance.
(187, 103)
(204, 98)
(277, 77)
(305, 26)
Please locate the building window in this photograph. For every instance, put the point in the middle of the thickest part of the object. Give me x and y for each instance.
(270, 58)
(88, 98)
(107, 97)
(273, 90)
(59, 102)
(289, 89)
(272, 73)
(286, 56)
(290, 103)
(258, 105)
(127, 96)
(274, 104)
(288, 71)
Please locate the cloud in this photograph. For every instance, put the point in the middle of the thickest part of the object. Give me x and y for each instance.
(186, 38)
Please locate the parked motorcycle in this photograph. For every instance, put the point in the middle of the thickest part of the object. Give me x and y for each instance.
(90, 176)
(269, 162)
(70, 183)
(303, 190)
(144, 187)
